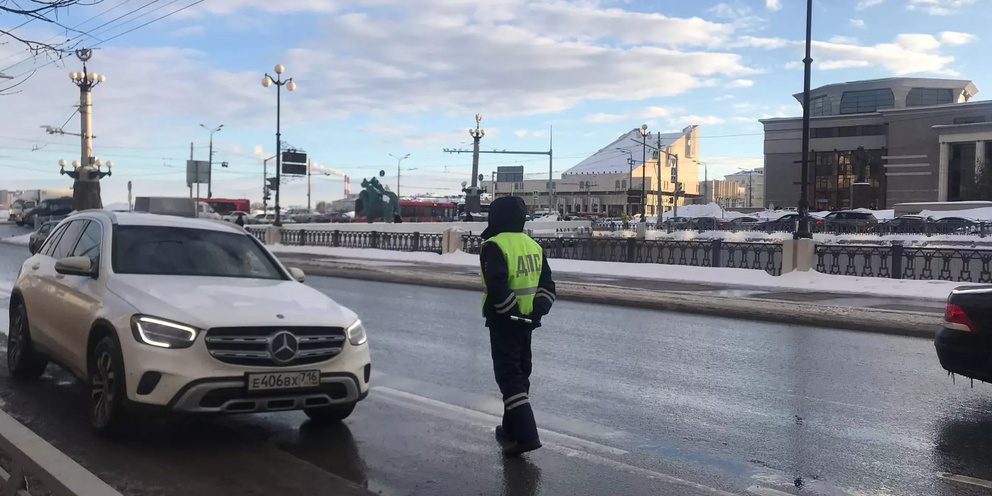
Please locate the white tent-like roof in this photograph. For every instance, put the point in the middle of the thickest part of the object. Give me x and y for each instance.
(611, 159)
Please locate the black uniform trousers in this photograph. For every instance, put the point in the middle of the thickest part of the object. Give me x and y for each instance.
(510, 342)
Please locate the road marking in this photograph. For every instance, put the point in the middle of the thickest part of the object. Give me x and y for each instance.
(766, 491)
(557, 442)
(964, 479)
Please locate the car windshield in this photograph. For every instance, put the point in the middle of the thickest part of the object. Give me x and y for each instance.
(162, 250)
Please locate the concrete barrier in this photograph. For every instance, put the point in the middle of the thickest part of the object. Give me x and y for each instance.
(29, 458)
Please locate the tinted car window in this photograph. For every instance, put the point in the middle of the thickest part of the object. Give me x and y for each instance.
(190, 252)
(68, 240)
(52, 240)
(46, 228)
(90, 242)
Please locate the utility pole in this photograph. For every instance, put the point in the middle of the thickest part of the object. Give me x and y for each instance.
(191, 159)
(644, 167)
(210, 160)
(399, 160)
(552, 201)
(291, 86)
(803, 230)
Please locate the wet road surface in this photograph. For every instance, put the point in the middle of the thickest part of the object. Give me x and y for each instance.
(632, 402)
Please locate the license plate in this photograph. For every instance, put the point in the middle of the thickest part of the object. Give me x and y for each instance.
(268, 381)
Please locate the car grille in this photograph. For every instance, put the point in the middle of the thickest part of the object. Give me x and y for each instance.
(251, 345)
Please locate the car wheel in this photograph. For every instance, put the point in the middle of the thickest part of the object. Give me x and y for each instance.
(330, 414)
(107, 392)
(23, 361)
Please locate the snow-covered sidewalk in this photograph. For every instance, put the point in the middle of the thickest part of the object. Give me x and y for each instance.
(732, 278)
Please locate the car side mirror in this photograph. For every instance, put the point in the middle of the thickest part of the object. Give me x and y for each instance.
(75, 266)
(297, 274)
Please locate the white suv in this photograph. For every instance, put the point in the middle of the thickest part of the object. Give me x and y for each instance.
(183, 314)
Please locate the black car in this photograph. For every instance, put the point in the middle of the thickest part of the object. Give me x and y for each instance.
(789, 223)
(907, 224)
(38, 237)
(964, 343)
(744, 223)
(52, 208)
(954, 225)
(850, 221)
(676, 223)
(707, 224)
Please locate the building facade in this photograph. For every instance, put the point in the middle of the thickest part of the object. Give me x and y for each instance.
(727, 194)
(610, 181)
(877, 143)
(752, 188)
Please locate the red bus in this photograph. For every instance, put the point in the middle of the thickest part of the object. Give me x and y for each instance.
(224, 206)
(421, 211)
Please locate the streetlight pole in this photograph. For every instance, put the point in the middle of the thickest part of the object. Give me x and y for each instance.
(210, 160)
(472, 201)
(86, 188)
(399, 160)
(630, 177)
(644, 166)
(706, 182)
(803, 230)
(291, 86)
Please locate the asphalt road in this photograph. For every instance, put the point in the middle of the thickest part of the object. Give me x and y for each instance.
(632, 402)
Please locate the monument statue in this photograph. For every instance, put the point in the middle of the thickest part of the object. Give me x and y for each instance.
(377, 202)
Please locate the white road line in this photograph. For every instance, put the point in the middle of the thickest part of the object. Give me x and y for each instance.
(563, 444)
(964, 479)
(766, 491)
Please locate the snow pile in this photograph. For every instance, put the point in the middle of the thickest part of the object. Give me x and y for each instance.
(547, 218)
(739, 278)
(693, 211)
(977, 214)
(118, 207)
(22, 240)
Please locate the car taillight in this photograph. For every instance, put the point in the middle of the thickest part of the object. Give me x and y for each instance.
(955, 318)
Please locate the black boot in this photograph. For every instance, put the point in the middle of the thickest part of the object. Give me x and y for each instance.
(517, 448)
(502, 437)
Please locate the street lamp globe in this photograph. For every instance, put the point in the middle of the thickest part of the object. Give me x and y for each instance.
(91, 76)
(110, 164)
(75, 164)
(102, 78)
(72, 75)
(291, 86)
(98, 162)
(266, 81)
(62, 163)
(279, 69)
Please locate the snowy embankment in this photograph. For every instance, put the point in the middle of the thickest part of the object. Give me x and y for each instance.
(736, 278)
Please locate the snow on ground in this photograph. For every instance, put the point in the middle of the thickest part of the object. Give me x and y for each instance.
(4, 215)
(547, 218)
(739, 278)
(708, 210)
(22, 240)
(976, 214)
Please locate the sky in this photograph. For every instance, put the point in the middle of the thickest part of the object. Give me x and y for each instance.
(383, 78)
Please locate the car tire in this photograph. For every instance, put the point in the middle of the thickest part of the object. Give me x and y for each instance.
(331, 414)
(108, 395)
(23, 361)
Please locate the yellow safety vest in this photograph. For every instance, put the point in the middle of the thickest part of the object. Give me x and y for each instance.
(524, 259)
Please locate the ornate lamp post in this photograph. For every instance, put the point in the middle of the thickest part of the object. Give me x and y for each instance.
(803, 229)
(291, 86)
(644, 167)
(472, 200)
(86, 189)
(93, 170)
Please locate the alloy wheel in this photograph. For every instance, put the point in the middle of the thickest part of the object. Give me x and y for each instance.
(103, 386)
(15, 340)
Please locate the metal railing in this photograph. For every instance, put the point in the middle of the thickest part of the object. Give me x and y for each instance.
(928, 229)
(395, 241)
(29, 466)
(903, 262)
(715, 253)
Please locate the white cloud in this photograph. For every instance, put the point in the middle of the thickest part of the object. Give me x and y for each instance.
(729, 11)
(756, 42)
(844, 40)
(955, 38)
(523, 133)
(740, 83)
(857, 23)
(907, 54)
(864, 4)
(636, 114)
(773, 5)
(193, 30)
(939, 7)
(717, 167)
(696, 119)
(724, 98)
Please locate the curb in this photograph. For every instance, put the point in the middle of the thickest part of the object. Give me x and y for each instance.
(913, 324)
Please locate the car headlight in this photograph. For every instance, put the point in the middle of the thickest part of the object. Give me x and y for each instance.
(356, 333)
(162, 333)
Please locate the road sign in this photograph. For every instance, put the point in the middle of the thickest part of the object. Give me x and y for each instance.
(197, 172)
(294, 163)
(382, 173)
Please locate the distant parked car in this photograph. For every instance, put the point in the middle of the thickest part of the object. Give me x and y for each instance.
(676, 223)
(954, 225)
(790, 222)
(744, 223)
(907, 224)
(707, 224)
(38, 237)
(850, 221)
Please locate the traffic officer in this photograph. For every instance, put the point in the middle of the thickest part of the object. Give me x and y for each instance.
(518, 292)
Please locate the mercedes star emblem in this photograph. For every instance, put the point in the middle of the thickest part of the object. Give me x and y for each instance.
(283, 347)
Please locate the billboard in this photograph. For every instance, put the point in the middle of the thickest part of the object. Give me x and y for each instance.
(510, 174)
(294, 163)
(197, 172)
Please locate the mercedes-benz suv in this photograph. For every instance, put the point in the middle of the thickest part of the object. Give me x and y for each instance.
(185, 315)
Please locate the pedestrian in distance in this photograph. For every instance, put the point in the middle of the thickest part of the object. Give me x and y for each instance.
(240, 220)
(519, 292)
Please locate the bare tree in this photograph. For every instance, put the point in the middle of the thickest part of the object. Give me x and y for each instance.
(981, 190)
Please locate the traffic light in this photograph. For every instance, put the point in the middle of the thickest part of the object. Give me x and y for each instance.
(265, 194)
(273, 183)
